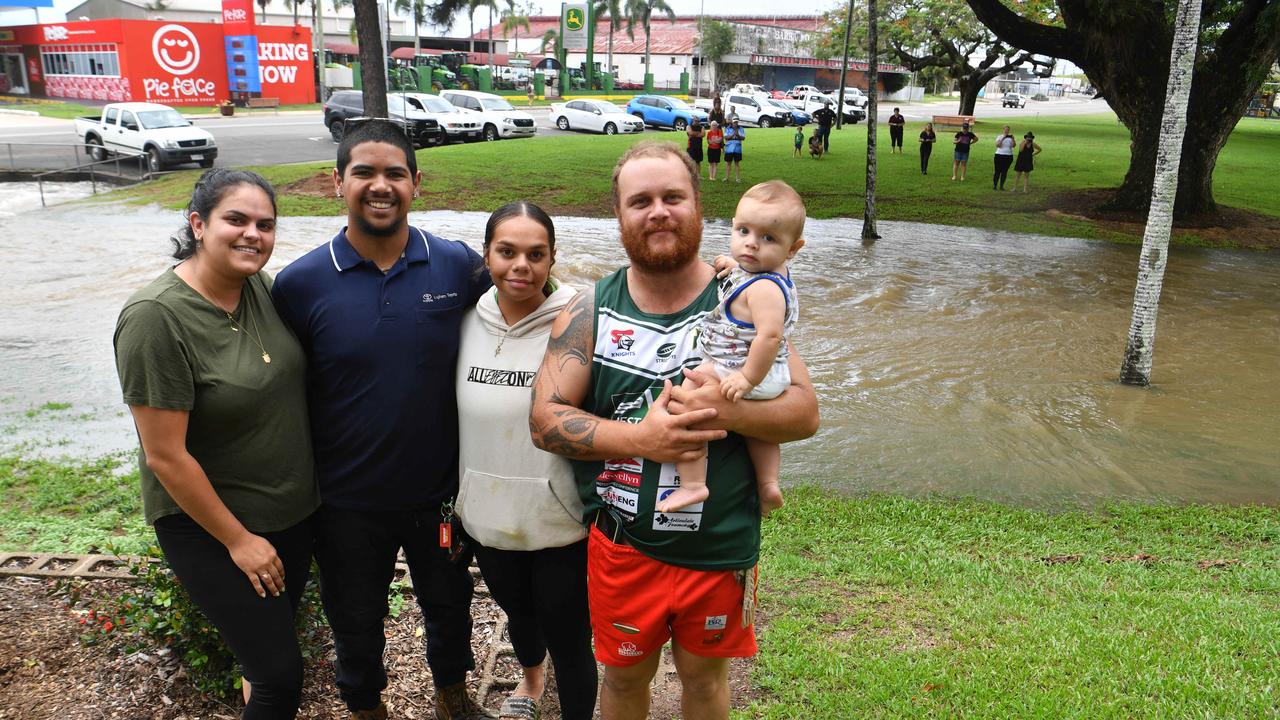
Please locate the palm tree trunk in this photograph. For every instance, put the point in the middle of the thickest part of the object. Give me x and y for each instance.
(492, 64)
(373, 66)
(869, 234)
(647, 71)
(1136, 367)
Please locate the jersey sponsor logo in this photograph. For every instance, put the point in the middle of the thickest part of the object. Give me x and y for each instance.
(639, 348)
(677, 521)
(428, 297)
(629, 649)
(626, 501)
(716, 622)
(506, 378)
(665, 351)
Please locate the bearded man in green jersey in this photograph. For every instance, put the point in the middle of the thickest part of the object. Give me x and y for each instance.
(604, 398)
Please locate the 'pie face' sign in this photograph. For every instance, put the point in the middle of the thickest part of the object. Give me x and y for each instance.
(176, 49)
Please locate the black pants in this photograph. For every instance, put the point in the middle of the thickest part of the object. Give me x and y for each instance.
(258, 630)
(356, 553)
(895, 136)
(544, 594)
(825, 132)
(1002, 170)
(926, 149)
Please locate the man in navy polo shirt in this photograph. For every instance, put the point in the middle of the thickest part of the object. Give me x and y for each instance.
(377, 310)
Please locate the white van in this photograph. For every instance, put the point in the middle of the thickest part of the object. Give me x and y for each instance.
(498, 119)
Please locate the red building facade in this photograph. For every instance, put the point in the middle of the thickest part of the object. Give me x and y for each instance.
(156, 61)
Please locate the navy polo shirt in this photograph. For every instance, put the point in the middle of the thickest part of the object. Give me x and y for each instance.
(381, 350)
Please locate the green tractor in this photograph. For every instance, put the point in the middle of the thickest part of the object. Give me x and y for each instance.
(433, 76)
(470, 77)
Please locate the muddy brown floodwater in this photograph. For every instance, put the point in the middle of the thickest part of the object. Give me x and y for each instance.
(948, 360)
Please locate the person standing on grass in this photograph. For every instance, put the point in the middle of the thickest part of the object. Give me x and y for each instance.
(733, 139)
(897, 126)
(825, 117)
(518, 503)
(1003, 159)
(716, 116)
(799, 141)
(378, 310)
(927, 139)
(960, 163)
(530, 92)
(1022, 168)
(216, 384)
(695, 134)
(715, 146)
(604, 398)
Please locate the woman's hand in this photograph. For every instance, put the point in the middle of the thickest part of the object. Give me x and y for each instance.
(257, 559)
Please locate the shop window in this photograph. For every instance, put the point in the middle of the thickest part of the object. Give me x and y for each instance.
(89, 60)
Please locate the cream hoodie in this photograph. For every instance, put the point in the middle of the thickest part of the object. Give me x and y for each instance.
(512, 496)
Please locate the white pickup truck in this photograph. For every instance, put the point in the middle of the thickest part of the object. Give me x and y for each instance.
(159, 131)
(811, 102)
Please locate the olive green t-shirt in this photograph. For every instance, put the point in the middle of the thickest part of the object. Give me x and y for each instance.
(247, 423)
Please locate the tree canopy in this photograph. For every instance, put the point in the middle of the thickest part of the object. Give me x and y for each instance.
(1125, 47)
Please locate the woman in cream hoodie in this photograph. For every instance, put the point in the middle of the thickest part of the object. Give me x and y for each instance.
(519, 503)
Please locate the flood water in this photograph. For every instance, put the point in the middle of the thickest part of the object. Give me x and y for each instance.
(948, 360)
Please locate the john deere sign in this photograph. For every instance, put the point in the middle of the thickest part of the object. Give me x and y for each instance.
(575, 27)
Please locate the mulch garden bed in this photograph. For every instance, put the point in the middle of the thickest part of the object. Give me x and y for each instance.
(45, 671)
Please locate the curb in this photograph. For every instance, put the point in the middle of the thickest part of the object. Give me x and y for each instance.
(24, 113)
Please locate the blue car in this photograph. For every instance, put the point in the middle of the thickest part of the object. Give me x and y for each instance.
(665, 111)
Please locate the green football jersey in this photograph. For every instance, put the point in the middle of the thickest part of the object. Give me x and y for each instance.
(635, 352)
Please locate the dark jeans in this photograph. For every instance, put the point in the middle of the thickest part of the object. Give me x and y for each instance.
(544, 594)
(926, 149)
(1002, 170)
(356, 553)
(258, 630)
(824, 131)
(895, 136)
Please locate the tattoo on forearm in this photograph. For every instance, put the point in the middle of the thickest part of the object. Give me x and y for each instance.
(566, 430)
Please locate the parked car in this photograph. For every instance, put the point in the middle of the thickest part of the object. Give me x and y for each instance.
(854, 96)
(594, 115)
(664, 111)
(498, 119)
(166, 137)
(1013, 100)
(797, 117)
(811, 102)
(754, 109)
(797, 91)
(421, 129)
(457, 125)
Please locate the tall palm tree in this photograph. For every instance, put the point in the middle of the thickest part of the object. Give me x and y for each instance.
(645, 9)
(472, 7)
(617, 16)
(373, 66)
(514, 18)
(417, 9)
(493, 7)
(261, 4)
(1136, 367)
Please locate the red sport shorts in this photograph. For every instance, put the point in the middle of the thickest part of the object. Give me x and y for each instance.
(637, 603)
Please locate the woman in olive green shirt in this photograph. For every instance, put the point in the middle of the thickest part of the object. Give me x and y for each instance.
(216, 385)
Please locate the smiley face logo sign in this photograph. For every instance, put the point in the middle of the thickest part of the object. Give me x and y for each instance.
(175, 49)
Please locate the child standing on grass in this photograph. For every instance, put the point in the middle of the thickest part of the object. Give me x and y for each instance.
(744, 339)
(799, 141)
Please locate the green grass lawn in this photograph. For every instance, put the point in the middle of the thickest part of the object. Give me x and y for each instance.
(939, 608)
(570, 176)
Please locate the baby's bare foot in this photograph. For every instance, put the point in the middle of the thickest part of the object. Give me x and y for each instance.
(770, 498)
(683, 497)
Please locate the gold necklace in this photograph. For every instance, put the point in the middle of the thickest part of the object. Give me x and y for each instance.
(237, 327)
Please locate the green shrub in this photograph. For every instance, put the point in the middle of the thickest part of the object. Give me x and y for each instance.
(156, 612)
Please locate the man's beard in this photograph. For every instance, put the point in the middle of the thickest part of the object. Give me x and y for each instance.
(368, 228)
(644, 257)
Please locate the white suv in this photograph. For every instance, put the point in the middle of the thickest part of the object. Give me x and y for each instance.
(457, 125)
(497, 118)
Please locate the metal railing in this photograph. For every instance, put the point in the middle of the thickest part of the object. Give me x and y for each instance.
(92, 167)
